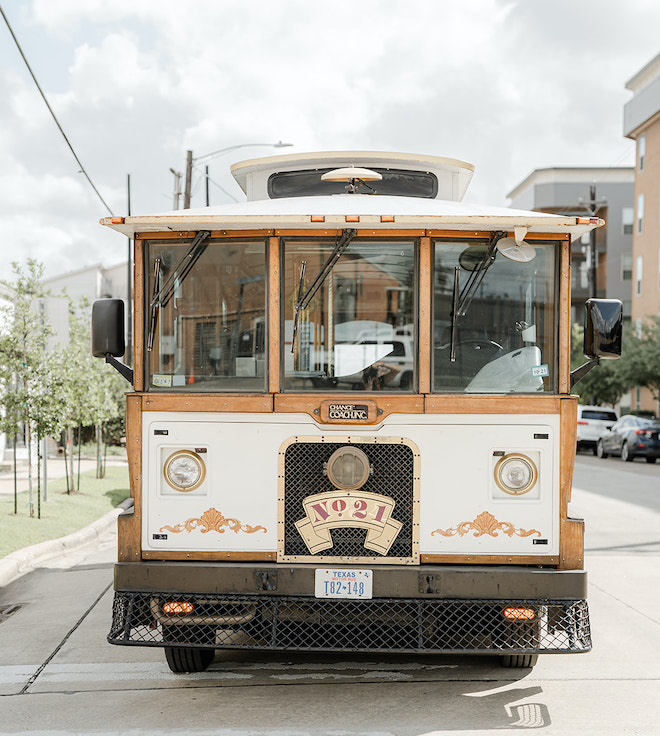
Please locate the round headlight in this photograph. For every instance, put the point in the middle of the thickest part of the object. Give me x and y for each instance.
(515, 474)
(348, 468)
(184, 470)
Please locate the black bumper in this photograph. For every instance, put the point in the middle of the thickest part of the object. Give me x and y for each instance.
(453, 609)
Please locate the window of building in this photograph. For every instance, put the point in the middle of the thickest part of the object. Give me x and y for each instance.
(626, 267)
(642, 152)
(640, 213)
(638, 279)
(628, 220)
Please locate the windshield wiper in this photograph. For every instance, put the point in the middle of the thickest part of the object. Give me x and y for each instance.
(304, 300)
(461, 301)
(162, 294)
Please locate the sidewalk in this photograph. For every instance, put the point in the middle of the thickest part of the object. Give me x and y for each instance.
(56, 469)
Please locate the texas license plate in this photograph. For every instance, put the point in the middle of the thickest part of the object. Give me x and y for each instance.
(351, 584)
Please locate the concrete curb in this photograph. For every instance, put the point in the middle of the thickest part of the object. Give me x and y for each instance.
(27, 559)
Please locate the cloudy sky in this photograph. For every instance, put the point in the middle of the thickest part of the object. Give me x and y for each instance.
(508, 85)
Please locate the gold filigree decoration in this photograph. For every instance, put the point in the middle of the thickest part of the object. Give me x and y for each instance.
(213, 521)
(485, 523)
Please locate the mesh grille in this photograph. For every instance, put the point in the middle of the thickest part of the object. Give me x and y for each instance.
(382, 624)
(392, 476)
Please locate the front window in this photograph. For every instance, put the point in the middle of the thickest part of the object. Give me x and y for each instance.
(205, 310)
(494, 318)
(349, 314)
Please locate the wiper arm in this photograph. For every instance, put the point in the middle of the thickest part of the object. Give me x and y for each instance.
(477, 275)
(303, 301)
(303, 266)
(182, 268)
(153, 318)
(162, 294)
(454, 316)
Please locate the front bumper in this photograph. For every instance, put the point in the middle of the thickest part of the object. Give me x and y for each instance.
(437, 609)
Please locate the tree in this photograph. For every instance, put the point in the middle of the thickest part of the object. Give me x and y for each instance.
(26, 369)
(644, 366)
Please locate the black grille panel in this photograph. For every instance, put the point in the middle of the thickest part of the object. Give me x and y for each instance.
(393, 476)
(379, 624)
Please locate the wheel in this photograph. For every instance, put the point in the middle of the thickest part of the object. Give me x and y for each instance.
(519, 661)
(626, 455)
(185, 659)
(651, 460)
(600, 450)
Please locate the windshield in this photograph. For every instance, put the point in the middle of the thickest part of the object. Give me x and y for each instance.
(357, 331)
(206, 325)
(494, 320)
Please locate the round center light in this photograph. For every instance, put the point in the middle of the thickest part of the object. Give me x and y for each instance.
(515, 474)
(348, 468)
(184, 470)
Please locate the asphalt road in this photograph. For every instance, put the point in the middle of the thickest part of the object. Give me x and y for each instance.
(59, 676)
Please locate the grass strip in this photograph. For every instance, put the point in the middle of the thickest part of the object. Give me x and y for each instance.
(62, 513)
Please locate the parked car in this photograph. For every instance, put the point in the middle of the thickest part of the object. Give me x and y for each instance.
(592, 421)
(631, 437)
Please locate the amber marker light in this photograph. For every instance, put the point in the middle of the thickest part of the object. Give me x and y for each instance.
(387, 218)
(172, 608)
(352, 218)
(318, 218)
(519, 614)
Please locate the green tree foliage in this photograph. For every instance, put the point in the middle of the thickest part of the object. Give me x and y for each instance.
(644, 362)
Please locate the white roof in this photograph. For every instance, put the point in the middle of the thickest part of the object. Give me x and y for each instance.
(297, 212)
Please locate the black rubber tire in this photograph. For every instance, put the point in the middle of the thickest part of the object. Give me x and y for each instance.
(187, 659)
(519, 661)
(651, 460)
(626, 455)
(600, 452)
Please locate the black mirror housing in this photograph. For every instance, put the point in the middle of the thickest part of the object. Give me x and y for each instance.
(108, 328)
(603, 328)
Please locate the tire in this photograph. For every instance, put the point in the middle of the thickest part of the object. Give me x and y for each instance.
(651, 460)
(519, 661)
(600, 450)
(594, 449)
(626, 455)
(184, 659)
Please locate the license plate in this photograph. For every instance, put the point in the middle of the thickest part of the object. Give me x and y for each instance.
(351, 584)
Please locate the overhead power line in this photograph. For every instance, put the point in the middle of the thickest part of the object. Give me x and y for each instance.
(50, 109)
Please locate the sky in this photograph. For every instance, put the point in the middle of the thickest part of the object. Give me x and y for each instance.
(507, 85)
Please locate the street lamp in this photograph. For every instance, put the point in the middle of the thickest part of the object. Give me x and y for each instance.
(213, 154)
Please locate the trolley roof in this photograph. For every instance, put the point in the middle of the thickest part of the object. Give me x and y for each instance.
(370, 212)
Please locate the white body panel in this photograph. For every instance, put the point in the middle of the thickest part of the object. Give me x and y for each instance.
(462, 510)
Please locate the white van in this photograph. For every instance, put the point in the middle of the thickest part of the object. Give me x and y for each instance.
(592, 421)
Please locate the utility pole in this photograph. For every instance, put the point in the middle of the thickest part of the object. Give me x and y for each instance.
(129, 278)
(593, 205)
(186, 191)
(177, 188)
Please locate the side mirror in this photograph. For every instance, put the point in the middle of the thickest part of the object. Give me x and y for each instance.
(108, 328)
(108, 334)
(603, 328)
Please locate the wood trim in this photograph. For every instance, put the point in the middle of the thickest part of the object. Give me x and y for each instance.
(460, 234)
(138, 315)
(209, 556)
(425, 333)
(187, 234)
(129, 525)
(362, 232)
(274, 316)
(564, 317)
(571, 531)
(472, 404)
(489, 559)
(259, 403)
(311, 404)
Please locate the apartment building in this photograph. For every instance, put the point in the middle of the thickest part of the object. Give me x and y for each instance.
(641, 123)
(568, 191)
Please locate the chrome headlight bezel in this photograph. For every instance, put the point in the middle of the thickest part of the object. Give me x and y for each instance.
(336, 470)
(170, 465)
(528, 464)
